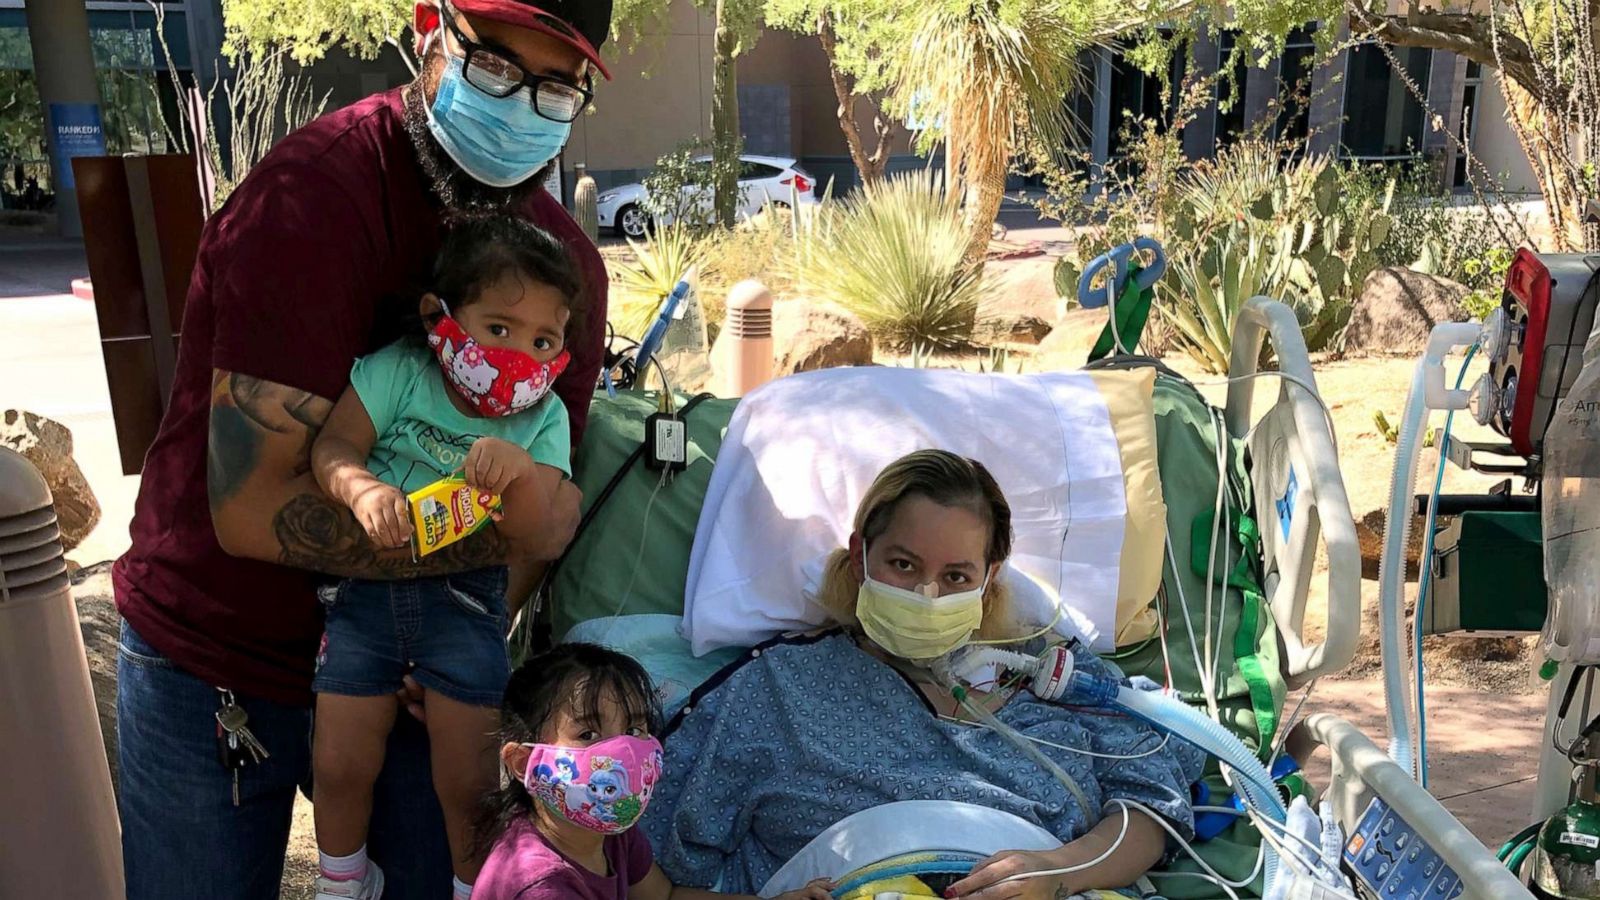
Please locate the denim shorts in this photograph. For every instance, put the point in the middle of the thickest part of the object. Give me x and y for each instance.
(449, 633)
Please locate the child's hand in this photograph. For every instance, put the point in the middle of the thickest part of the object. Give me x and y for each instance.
(821, 889)
(492, 464)
(381, 510)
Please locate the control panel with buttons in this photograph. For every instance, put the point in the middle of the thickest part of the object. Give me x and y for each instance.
(1390, 860)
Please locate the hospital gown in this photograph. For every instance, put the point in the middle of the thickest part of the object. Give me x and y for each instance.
(809, 731)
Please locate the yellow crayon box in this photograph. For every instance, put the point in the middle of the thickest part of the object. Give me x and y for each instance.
(447, 511)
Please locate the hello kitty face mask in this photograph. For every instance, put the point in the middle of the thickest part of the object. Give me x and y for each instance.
(497, 381)
(603, 787)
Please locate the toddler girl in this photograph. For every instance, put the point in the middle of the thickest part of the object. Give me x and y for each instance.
(471, 397)
(576, 722)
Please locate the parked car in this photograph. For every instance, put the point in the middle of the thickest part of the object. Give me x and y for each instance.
(764, 181)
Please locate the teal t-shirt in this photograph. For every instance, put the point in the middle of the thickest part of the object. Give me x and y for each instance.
(422, 437)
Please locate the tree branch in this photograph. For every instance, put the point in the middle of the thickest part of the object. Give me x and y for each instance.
(1462, 33)
(871, 168)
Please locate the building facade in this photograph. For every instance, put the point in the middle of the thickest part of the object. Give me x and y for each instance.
(1354, 106)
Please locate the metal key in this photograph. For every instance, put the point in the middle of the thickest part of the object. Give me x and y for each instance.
(233, 719)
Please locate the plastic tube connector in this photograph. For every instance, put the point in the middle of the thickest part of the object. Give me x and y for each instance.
(1441, 341)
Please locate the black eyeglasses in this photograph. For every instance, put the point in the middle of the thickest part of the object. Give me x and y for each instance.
(553, 98)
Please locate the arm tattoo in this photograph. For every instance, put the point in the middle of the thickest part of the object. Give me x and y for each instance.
(318, 534)
(244, 409)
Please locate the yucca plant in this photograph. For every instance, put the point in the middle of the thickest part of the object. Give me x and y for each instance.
(1213, 285)
(641, 285)
(991, 76)
(894, 255)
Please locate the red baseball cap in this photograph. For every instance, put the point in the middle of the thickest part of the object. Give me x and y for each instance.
(580, 24)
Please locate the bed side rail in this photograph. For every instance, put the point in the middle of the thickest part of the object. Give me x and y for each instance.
(1319, 504)
(1361, 771)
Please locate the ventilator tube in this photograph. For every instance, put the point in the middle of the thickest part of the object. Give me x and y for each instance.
(1427, 392)
(1160, 710)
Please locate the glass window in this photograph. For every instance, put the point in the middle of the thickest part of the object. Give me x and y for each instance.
(1382, 118)
(1136, 96)
(1294, 86)
(754, 171)
(1230, 90)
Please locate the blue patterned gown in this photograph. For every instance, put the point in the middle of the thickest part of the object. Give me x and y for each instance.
(806, 732)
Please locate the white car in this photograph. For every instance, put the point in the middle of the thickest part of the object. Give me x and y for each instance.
(763, 181)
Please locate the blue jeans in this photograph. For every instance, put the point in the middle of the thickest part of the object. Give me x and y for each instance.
(183, 837)
(449, 632)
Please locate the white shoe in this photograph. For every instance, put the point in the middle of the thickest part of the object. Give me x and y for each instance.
(368, 888)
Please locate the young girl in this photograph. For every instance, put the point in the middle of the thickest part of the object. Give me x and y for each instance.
(471, 397)
(577, 724)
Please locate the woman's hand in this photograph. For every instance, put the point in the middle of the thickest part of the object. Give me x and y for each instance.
(984, 882)
(821, 889)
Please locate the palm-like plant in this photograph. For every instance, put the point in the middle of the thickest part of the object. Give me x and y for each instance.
(993, 74)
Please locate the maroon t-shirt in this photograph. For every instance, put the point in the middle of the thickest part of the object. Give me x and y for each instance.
(311, 263)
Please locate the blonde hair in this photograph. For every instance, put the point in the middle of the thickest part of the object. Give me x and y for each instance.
(948, 480)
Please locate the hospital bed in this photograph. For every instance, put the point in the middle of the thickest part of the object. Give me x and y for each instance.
(642, 566)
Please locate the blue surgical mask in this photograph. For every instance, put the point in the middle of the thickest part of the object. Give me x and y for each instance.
(499, 141)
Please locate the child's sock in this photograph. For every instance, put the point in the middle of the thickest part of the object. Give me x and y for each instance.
(463, 891)
(344, 868)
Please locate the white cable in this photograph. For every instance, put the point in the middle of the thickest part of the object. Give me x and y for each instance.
(1226, 534)
(644, 536)
(1282, 739)
(1226, 885)
(1208, 677)
(1188, 626)
(1309, 388)
(1047, 873)
(1165, 737)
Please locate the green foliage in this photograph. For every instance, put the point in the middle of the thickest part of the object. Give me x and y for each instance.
(678, 188)
(893, 254)
(1485, 273)
(1245, 225)
(1391, 433)
(641, 285)
(307, 29)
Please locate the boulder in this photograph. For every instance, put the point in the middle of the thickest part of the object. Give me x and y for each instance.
(1068, 344)
(100, 624)
(1369, 533)
(1398, 308)
(809, 335)
(48, 445)
(1022, 304)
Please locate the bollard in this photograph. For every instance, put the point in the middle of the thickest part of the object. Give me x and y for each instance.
(749, 328)
(59, 834)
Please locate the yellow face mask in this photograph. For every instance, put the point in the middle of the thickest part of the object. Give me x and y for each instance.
(917, 624)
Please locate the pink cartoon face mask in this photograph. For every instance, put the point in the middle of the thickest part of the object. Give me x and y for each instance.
(603, 787)
(497, 381)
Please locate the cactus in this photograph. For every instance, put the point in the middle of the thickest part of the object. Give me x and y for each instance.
(1295, 240)
(1066, 278)
(584, 199)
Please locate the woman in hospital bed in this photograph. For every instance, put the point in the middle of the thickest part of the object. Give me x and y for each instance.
(809, 730)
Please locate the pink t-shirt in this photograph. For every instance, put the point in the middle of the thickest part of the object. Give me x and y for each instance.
(524, 866)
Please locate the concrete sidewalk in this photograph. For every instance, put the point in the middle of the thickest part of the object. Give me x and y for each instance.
(52, 366)
(1483, 748)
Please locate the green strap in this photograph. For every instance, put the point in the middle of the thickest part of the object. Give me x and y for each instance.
(1246, 637)
(1131, 310)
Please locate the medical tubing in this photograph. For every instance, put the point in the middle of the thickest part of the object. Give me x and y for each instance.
(994, 724)
(1172, 714)
(1397, 532)
(1425, 573)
